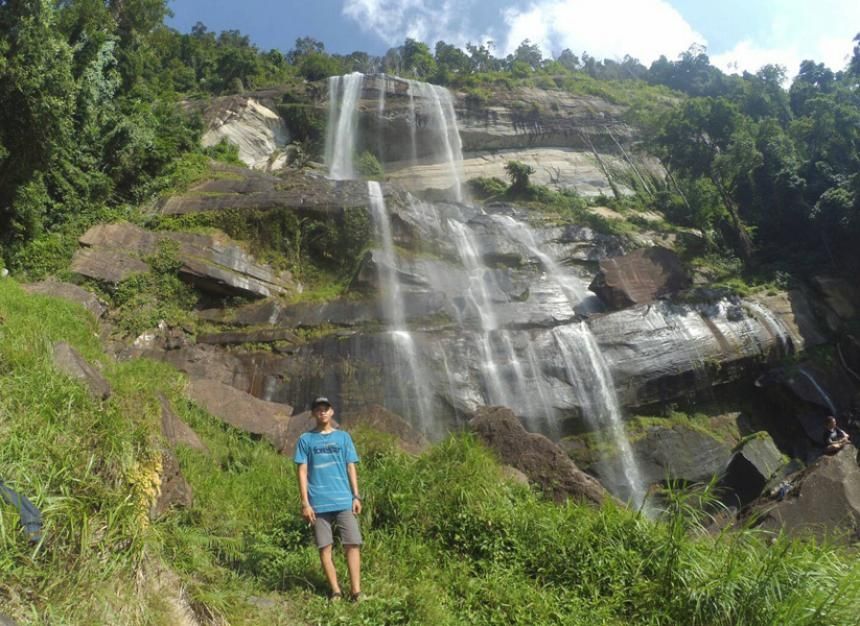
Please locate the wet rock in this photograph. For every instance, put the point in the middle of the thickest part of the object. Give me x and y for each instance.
(68, 361)
(796, 315)
(841, 296)
(824, 500)
(639, 277)
(828, 388)
(251, 372)
(175, 490)
(556, 133)
(177, 432)
(663, 350)
(545, 463)
(242, 410)
(379, 418)
(70, 292)
(754, 463)
(670, 453)
(655, 353)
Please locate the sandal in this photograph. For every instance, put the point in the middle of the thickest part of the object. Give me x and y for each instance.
(356, 597)
(335, 597)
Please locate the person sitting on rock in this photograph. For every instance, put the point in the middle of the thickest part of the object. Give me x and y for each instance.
(834, 437)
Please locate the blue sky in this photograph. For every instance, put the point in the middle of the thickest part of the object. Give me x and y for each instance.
(739, 34)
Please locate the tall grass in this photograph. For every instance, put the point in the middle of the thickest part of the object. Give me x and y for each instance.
(448, 541)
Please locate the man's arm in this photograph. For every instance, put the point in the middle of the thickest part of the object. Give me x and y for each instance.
(307, 510)
(353, 483)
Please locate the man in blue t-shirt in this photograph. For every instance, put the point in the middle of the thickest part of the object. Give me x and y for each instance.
(328, 485)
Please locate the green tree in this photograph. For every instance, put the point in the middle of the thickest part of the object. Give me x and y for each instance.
(417, 59)
(481, 57)
(319, 65)
(569, 60)
(450, 60)
(529, 54)
(708, 138)
(37, 104)
(519, 174)
(303, 47)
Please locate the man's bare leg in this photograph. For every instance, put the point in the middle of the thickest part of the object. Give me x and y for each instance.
(353, 563)
(328, 568)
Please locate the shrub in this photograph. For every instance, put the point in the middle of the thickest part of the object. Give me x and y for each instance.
(519, 174)
(369, 166)
(485, 188)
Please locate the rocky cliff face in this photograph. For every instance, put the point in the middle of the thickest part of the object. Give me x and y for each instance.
(573, 142)
(656, 352)
(457, 306)
(251, 124)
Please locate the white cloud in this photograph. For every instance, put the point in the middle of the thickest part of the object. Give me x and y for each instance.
(799, 30)
(423, 20)
(644, 29)
(834, 52)
(747, 56)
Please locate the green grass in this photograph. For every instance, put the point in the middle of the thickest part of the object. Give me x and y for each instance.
(448, 541)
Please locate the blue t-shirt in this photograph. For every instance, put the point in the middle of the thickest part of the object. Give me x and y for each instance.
(327, 456)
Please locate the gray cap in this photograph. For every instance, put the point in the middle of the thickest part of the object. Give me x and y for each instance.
(320, 400)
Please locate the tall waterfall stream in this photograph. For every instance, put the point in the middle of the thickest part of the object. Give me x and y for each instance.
(510, 363)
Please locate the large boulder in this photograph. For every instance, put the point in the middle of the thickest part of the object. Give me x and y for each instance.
(177, 432)
(755, 462)
(68, 361)
(673, 452)
(70, 292)
(213, 263)
(233, 188)
(256, 373)
(243, 411)
(379, 418)
(841, 299)
(110, 267)
(823, 500)
(174, 490)
(639, 277)
(545, 463)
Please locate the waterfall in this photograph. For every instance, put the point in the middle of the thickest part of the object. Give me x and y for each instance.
(823, 394)
(380, 112)
(413, 127)
(342, 123)
(506, 379)
(589, 374)
(443, 120)
(393, 310)
(486, 360)
(574, 289)
(774, 326)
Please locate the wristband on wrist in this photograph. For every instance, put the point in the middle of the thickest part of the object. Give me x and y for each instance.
(355, 497)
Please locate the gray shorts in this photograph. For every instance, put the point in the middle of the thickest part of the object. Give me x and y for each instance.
(347, 526)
